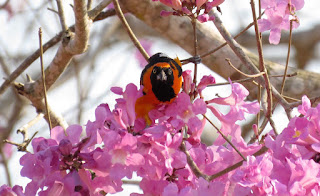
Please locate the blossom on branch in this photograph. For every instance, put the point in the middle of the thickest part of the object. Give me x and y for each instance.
(198, 9)
(279, 15)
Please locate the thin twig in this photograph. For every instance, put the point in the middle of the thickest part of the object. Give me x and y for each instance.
(235, 166)
(62, 18)
(44, 78)
(4, 161)
(287, 75)
(247, 75)
(251, 80)
(131, 182)
(28, 61)
(259, 113)
(95, 12)
(94, 15)
(225, 43)
(225, 137)
(25, 127)
(129, 31)
(261, 63)
(195, 169)
(227, 83)
(287, 61)
(52, 10)
(24, 131)
(194, 26)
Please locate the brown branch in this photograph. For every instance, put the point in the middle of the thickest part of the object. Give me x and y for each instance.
(304, 41)
(240, 53)
(72, 45)
(79, 43)
(225, 138)
(95, 12)
(28, 61)
(43, 79)
(194, 27)
(129, 31)
(246, 75)
(287, 61)
(17, 108)
(89, 4)
(177, 30)
(95, 15)
(235, 166)
(62, 18)
(4, 161)
(24, 131)
(24, 128)
(262, 68)
(195, 169)
(225, 43)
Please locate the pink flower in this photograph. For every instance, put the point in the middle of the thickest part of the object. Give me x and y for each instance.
(237, 103)
(198, 8)
(127, 103)
(238, 108)
(306, 105)
(204, 82)
(212, 4)
(304, 176)
(187, 81)
(5, 190)
(278, 17)
(253, 171)
(175, 4)
(184, 112)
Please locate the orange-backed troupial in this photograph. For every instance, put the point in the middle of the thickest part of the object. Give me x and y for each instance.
(161, 79)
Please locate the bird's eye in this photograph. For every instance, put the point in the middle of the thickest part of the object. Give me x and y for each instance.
(169, 71)
(154, 71)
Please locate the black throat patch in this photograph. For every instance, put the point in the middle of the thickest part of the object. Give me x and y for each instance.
(162, 86)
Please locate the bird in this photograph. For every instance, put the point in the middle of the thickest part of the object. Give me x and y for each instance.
(161, 80)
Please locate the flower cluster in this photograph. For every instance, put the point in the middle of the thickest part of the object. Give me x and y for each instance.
(291, 165)
(164, 155)
(194, 8)
(279, 14)
(116, 145)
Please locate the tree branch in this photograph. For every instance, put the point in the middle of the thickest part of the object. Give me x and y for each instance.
(178, 30)
(94, 14)
(71, 45)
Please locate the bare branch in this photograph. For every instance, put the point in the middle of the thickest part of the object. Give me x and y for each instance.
(43, 79)
(98, 9)
(94, 15)
(79, 43)
(4, 161)
(225, 138)
(129, 31)
(62, 18)
(195, 169)
(235, 166)
(247, 75)
(178, 30)
(262, 67)
(76, 44)
(28, 61)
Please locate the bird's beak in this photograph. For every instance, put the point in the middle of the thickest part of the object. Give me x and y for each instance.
(162, 76)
